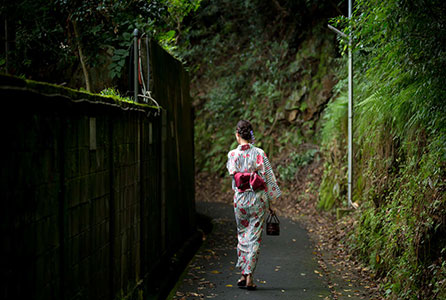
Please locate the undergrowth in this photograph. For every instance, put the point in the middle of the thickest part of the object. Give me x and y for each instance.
(399, 146)
(245, 65)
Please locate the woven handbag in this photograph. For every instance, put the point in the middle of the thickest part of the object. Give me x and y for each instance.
(272, 224)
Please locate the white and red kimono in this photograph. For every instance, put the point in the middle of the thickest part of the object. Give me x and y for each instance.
(250, 206)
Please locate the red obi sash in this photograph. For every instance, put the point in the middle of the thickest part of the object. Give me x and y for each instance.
(244, 181)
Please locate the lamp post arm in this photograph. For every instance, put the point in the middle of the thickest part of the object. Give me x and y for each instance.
(337, 31)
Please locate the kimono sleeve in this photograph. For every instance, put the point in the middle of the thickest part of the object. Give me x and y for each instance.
(230, 165)
(272, 189)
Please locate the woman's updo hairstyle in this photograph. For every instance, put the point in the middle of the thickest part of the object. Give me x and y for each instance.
(244, 128)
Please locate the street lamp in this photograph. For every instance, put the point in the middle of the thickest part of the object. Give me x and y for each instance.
(350, 103)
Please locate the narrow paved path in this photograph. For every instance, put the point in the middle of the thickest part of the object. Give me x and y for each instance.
(286, 269)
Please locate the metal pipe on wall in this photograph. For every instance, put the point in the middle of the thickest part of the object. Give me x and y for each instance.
(135, 61)
(148, 62)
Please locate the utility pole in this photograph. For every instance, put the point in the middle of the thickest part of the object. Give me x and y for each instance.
(350, 102)
(350, 106)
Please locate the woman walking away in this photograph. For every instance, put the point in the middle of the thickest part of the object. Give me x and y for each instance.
(248, 165)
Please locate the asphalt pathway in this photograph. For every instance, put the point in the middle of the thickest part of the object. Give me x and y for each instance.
(286, 270)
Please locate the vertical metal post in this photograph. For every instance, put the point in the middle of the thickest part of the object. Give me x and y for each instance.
(163, 179)
(148, 63)
(135, 60)
(350, 108)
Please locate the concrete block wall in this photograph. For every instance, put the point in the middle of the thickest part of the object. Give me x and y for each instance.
(87, 196)
(93, 197)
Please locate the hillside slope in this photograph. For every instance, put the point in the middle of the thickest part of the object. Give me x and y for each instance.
(400, 146)
(272, 65)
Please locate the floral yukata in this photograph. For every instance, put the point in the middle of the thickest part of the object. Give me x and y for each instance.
(250, 206)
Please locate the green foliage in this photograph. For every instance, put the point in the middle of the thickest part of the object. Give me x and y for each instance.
(113, 92)
(332, 190)
(46, 44)
(399, 144)
(244, 71)
(404, 236)
(333, 139)
(118, 61)
(288, 171)
(178, 9)
(335, 120)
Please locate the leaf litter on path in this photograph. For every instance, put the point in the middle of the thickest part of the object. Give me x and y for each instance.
(338, 266)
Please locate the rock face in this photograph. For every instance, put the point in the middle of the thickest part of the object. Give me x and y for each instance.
(293, 102)
(292, 115)
(315, 66)
(320, 97)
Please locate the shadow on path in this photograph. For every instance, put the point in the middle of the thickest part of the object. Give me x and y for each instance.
(286, 268)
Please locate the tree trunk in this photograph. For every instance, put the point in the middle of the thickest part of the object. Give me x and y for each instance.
(82, 57)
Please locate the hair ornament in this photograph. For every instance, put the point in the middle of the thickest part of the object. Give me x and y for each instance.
(253, 139)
